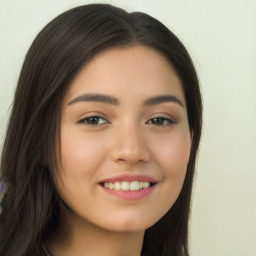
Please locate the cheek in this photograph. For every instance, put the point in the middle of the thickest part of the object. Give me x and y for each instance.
(80, 154)
(176, 158)
(173, 160)
(173, 151)
(176, 154)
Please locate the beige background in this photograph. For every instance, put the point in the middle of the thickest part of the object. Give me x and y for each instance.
(221, 37)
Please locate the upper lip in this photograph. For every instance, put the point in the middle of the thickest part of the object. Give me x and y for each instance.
(129, 177)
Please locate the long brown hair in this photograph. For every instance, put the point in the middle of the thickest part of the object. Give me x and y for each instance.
(61, 49)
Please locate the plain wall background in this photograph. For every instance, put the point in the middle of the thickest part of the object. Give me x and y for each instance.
(221, 38)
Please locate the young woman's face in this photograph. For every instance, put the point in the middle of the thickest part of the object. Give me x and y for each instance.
(124, 140)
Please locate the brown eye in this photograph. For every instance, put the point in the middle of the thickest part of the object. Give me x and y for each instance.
(93, 120)
(160, 121)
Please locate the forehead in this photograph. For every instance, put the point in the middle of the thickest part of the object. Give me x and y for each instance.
(136, 70)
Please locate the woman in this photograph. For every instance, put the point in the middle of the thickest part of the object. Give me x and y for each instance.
(102, 140)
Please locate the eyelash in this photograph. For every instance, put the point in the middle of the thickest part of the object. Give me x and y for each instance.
(85, 120)
(163, 121)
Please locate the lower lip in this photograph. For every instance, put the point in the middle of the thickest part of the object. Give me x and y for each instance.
(130, 195)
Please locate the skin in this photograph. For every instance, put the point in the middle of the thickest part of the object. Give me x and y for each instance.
(125, 139)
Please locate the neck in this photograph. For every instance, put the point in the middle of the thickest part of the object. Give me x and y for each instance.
(78, 237)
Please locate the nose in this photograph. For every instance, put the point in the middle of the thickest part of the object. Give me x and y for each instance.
(129, 146)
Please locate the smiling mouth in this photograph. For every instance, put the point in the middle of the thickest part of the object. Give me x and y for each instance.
(127, 185)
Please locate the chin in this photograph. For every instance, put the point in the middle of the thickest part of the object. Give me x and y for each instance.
(127, 229)
(129, 225)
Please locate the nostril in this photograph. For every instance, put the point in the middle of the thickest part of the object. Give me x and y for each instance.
(121, 160)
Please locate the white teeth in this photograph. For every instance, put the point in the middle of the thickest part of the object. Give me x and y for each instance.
(145, 185)
(117, 186)
(126, 185)
(111, 186)
(134, 185)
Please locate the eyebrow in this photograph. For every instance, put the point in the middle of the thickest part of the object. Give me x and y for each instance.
(162, 99)
(96, 98)
(107, 99)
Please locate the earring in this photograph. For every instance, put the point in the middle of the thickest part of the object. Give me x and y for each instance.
(3, 189)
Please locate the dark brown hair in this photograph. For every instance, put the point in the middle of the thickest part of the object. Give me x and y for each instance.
(61, 49)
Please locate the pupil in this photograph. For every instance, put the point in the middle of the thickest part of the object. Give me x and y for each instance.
(93, 120)
(158, 121)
